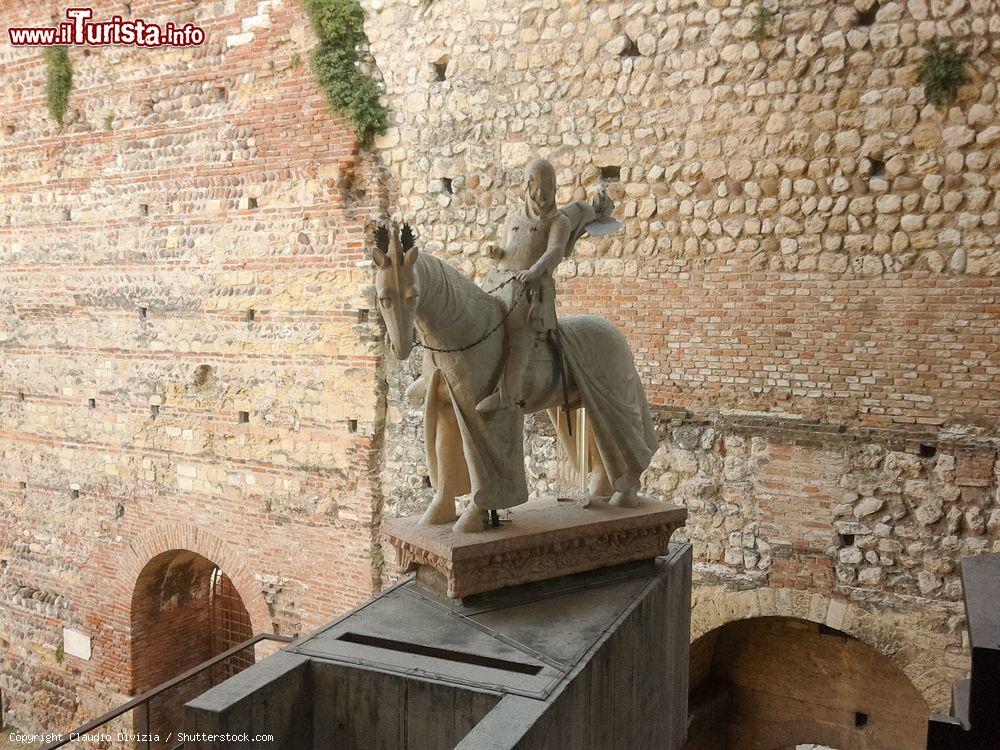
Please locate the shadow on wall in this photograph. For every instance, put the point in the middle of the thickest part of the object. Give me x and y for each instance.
(773, 683)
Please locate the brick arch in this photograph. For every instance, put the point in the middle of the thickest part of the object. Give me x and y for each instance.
(779, 681)
(720, 607)
(185, 536)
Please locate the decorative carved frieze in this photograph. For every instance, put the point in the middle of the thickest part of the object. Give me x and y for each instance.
(546, 539)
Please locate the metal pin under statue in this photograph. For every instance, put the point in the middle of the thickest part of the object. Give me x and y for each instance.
(493, 356)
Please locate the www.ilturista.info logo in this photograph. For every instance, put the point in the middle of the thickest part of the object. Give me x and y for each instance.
(80, 30)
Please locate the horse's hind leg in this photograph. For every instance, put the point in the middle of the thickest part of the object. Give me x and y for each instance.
(441, 510)
(562, 433)
(626, 492)
(599, 484)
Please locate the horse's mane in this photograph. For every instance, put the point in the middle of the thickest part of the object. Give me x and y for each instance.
(450, 298)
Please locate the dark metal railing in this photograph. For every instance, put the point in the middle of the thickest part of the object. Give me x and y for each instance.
(142, 701)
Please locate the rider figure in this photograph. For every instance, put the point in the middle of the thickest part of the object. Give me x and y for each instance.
(538, 237)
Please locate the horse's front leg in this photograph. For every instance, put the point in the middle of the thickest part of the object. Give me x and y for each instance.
(441, 510)
(452, 473)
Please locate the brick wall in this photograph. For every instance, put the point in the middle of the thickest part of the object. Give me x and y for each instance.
(171, 632)
(141, 409)
(171, 616)
(911, 349)
(870, 524)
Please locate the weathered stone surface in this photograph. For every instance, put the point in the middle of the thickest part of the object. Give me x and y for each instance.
(868, 506)
(851, 556)
(929, 512)
(957, 136)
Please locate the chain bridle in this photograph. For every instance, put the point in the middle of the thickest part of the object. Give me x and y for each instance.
(420, 344)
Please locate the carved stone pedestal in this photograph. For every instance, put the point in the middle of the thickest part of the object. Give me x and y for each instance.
(544, 539)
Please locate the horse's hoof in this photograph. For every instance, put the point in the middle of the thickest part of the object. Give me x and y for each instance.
(473, 519)
(435, 515)
(627, 499)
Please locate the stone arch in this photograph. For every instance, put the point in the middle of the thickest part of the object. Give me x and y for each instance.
(717, 606)
(786, 682)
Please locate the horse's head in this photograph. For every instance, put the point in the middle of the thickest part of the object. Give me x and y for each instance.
(394, 255)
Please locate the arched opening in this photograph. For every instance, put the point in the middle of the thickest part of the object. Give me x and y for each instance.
(771, 683)
(185, 610)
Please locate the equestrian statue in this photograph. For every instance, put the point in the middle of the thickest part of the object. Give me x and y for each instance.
(494, 354)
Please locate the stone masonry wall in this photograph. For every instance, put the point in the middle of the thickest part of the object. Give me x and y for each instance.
(808, 273)
(770, 259)
(870, 522)
(185, 359)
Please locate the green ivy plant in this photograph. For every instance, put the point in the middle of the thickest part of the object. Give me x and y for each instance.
(942, 71)
(339, 24)
(762, 19)
(58, 81)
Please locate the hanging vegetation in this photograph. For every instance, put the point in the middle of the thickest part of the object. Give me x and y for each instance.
(339, 24)
(762, 19)
(58, 81)
(942, 71)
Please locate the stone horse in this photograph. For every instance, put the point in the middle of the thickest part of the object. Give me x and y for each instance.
(461, 328)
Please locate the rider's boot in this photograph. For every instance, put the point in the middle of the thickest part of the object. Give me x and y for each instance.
(508, 393)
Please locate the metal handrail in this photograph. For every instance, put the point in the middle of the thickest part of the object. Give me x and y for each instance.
(162, 688)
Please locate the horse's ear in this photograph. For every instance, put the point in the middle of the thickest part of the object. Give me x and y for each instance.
(380, 251)
(407, 238)
(408, 241)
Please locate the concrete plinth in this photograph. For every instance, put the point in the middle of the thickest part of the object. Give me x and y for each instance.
(546, 538)
(593, 661)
